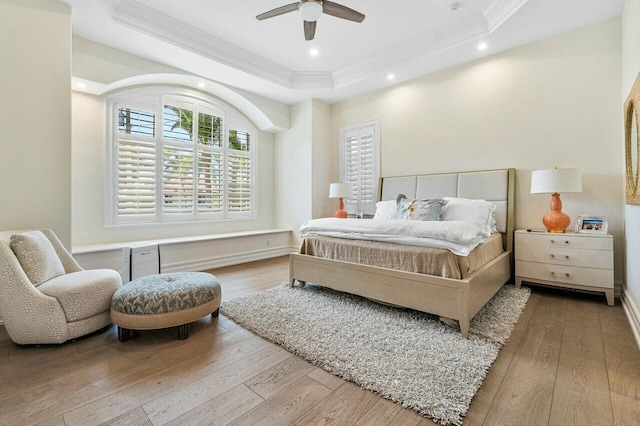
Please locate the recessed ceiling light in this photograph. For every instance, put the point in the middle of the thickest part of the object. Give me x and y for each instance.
(314, 52)
(482, 46)
(391, 77)
(201, 84)
(81, 86)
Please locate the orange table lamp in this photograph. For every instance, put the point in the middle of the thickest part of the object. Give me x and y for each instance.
(554, 181)
(340, 191)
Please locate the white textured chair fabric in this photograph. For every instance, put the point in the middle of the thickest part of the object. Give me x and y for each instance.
(37, 256)
(83, 294)
(77, 302)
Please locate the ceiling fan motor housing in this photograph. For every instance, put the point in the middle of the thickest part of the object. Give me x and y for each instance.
(311, 10)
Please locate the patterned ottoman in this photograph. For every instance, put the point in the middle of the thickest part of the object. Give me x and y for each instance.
(165, 300)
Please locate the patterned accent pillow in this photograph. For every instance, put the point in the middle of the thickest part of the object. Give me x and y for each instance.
(37, 256)
(419, 209)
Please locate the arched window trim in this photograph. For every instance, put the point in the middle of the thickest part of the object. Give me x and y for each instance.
(152, 100)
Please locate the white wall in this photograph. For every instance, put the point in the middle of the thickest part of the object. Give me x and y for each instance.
(322, 168)
(630, 70)
(293, 165)
(551, 103)
(35, 115)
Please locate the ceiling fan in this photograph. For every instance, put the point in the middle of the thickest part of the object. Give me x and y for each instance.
(311, 11)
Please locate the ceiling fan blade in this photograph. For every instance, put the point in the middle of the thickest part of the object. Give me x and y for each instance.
(278, 11)
(309, 30)
(340, 11)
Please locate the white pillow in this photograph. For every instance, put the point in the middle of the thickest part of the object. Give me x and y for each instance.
(478, 212)
(386, 210)
(37, 256)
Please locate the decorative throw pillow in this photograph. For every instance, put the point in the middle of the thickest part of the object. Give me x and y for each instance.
(37, 256)
(386, 210)
(478, 212)
(419, 209)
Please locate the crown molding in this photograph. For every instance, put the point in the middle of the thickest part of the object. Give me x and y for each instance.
(311, 80)
(497, 12)
(465, 30)
(140, 17)
(163, 27)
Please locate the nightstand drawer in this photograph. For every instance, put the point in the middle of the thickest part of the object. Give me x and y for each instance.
(602, 259)
(565, 240)
(565, 274)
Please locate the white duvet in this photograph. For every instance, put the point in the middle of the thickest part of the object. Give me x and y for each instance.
(458, 237)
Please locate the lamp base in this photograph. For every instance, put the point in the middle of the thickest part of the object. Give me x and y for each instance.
(341, 214)
(555, 221)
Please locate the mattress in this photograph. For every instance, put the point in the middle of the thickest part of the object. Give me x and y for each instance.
(423, 260)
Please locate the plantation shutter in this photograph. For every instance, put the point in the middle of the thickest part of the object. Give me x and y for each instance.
(239, 172)
(181, 162)
(210, 187)
(360, 166)
(210, 182)
(178, 187)
(177, 180)
(136, 165)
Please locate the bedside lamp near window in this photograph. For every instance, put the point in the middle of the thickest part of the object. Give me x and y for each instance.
(340, 191)
(554, 181)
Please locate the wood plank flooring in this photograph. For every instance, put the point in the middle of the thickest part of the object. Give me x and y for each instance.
(571, 360)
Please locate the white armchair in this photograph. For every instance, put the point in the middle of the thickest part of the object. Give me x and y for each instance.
(63, 307)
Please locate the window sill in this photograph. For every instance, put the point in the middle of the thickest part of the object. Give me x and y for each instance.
(177, 240)
(178, 222)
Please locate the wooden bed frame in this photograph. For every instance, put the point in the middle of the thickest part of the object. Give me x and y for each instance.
(450, 298)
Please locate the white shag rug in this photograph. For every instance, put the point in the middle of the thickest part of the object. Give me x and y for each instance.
(403, 355)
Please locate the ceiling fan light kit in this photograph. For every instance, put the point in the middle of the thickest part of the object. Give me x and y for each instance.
(311, 11)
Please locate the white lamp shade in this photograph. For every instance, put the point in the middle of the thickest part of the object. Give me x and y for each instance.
(550, 181)
(339, 190)
(310, 11)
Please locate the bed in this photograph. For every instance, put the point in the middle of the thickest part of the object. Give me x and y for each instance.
(457, 299)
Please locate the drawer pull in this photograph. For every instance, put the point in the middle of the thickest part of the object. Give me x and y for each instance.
(553, 273)
(566, 257)
(566, 275)
(566, 242)
(553, 255)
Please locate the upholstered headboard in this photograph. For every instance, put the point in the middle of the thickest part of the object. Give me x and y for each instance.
(496, 186)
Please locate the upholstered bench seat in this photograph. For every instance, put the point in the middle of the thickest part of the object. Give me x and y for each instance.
(165, 300)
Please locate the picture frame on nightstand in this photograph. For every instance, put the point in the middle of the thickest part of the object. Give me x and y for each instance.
(592, 225)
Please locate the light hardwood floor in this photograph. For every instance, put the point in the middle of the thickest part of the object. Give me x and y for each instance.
(571, 360)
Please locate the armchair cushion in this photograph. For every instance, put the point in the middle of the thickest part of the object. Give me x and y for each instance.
(83, 294)
(37, 256)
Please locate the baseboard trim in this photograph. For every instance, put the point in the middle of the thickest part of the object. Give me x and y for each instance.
(633, 314)
(227, 260)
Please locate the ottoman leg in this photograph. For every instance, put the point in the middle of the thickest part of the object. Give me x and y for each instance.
(124, 334)
(215, 313)
(184, 331)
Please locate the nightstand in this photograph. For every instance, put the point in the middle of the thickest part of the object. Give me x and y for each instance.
(570, 260)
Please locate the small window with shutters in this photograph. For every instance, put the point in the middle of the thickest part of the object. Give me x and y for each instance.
(177, 157)
(360, 165)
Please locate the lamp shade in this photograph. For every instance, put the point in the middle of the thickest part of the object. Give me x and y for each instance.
(550, 181)
(339, 190)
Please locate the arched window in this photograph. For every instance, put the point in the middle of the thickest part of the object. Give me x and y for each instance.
(176, 154)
